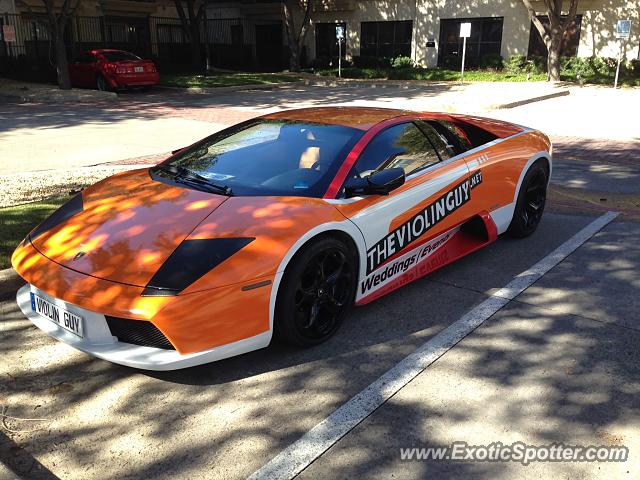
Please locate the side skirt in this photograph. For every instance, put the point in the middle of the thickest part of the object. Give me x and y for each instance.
(475, 233)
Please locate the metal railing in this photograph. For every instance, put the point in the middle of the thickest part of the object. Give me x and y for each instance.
(232, 42)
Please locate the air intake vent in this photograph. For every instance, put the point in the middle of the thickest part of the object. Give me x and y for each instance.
(138, 332)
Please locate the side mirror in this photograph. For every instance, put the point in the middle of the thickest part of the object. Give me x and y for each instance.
(378, 183)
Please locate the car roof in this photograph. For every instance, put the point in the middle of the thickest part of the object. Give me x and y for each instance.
(362, 118)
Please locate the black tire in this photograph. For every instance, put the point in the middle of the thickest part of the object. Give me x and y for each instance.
(101, 83)
(316, 292)
(531, 201)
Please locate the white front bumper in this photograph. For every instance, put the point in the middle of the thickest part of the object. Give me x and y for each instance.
(99, 342)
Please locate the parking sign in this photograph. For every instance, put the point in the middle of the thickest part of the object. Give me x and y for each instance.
(465, 30)
(623, 28)
(339, 32)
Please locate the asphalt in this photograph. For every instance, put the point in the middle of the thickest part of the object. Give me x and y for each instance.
(558, 365)
(226, 419)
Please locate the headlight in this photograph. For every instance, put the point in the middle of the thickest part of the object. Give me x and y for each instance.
(190, 261)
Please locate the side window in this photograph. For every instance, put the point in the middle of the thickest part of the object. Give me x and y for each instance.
(456, 135)
(87, 58)
(403, 146)
(438, 138)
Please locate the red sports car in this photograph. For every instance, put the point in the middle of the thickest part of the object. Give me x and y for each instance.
(112, 69)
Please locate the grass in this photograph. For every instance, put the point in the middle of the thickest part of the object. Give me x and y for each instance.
(224, 79)
(430, 74)
(602, 79)
(16, 222)
(437, 74)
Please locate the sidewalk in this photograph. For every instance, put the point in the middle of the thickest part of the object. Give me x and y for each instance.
(39, 92)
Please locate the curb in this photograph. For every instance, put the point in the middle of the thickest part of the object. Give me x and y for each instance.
(10, 282)
(73, 95)
(237, 88)
(504, 106)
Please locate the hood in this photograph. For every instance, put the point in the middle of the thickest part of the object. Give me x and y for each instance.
(128, 226)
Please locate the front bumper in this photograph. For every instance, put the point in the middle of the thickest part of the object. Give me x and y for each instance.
(99, 342)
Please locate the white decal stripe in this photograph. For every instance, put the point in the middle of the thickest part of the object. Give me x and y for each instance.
(299, 455)
(419, 254)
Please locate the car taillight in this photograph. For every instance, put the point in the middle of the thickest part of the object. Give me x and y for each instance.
(111, 67)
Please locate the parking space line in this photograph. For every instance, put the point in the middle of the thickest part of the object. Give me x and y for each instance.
(300, 454)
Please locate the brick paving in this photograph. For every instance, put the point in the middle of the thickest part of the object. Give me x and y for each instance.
(605, 151)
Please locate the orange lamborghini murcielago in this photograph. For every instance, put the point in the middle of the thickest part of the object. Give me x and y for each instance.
(275, 226)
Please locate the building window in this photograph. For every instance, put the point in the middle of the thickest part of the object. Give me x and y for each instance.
(570, 40)
(485, 39)
(386, 39)
(326, 42)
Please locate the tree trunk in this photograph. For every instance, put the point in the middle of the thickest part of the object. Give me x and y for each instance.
(553, 60)
(62, 64)
(294, 57)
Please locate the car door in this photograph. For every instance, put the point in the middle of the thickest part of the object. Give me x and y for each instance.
(82, 71)
(409, 225)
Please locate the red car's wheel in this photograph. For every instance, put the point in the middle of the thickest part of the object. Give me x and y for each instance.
(101, 83)
(317, 289)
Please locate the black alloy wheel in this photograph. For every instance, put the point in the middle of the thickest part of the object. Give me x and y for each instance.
(316, 292)
(531, 202)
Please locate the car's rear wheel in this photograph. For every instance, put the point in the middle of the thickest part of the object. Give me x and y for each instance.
(531, 201)
(317, 290)
(101, 83)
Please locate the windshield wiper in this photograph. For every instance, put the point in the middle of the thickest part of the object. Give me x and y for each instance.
(187, 177)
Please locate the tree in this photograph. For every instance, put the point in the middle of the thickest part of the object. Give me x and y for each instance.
(553, 32)
(57, 25)
(191, 21)
(295, 38)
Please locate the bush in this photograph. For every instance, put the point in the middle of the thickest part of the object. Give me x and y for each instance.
(520, 65)
(324, 63)
(407, 73)
(371, 62)
(492, 60)
(515, 64)
(354, 72)
(634, 67)
(402, 62)
(537, 64)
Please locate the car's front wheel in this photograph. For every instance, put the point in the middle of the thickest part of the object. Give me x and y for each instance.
(531, 201)
(316, 291)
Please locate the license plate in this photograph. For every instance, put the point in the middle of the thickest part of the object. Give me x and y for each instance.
(139, 69)
(58, 315)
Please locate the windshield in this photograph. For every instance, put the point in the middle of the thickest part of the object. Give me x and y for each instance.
(266, 157)
(119, 56)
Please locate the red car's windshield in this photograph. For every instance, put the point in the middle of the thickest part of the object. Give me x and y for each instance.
(119, 56)
(267, 157)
